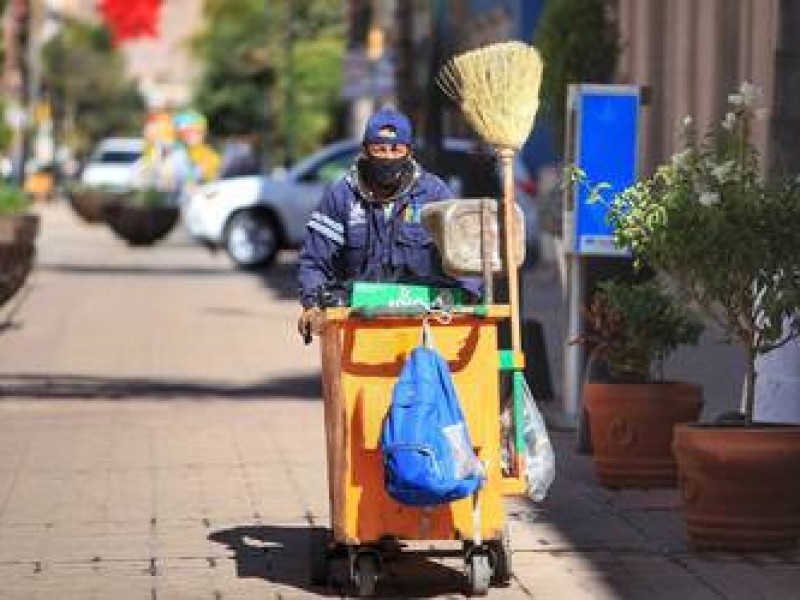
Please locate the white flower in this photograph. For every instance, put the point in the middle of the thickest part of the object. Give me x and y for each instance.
(735, 99)
(709, 198)
(687, 121)
(721, 172)
(751, 94)
(729, 121)
(681, 158)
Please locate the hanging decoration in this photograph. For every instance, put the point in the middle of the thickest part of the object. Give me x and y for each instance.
(130, 19)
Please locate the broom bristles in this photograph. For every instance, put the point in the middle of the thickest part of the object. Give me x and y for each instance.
(497, 88)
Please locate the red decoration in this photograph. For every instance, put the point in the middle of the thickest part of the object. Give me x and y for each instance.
(130, 19)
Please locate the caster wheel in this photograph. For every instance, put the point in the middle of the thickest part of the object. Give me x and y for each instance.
(365, 574)
(500, 555)
(318, 555)
(479, 573)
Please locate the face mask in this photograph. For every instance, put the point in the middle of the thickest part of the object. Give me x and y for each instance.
(384, 171)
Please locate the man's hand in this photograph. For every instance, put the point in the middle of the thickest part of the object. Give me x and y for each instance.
(309, 323)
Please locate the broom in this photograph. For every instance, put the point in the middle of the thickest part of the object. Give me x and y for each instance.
(497, 89)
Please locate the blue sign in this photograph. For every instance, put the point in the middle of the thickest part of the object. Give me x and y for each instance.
(606, 145)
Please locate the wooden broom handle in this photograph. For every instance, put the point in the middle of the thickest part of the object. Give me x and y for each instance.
(507, 164)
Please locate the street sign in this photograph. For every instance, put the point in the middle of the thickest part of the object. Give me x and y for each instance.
(606, 126)
(602, 142)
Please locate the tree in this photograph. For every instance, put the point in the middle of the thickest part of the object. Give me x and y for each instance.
(261, 73)
(579, 44)
(85, 79)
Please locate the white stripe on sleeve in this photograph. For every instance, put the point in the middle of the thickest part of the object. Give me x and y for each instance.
(326, 231)
(326, 220)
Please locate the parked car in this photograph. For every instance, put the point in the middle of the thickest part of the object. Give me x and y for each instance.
(253, 217)
(111, 164)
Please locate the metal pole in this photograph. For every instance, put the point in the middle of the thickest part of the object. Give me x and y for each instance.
(288, 101)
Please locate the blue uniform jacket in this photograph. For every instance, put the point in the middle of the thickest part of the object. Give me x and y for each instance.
(350, 238)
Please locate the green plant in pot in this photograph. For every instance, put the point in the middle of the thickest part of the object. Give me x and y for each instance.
(143, 217)
(632, 329)
(727, 237)
(18, 230)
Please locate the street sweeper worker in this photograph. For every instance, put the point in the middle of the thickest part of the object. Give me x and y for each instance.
(367, 226)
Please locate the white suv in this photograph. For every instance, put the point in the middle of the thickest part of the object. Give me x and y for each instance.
(111, 164)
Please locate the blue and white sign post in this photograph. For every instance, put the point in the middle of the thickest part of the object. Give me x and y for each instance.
(602, 141)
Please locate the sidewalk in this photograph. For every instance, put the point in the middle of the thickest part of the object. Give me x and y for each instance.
(161, 438)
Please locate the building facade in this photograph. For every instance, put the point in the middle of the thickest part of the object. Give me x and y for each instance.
(691, 54)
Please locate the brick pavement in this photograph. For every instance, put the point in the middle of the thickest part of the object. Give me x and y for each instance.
(161, 437)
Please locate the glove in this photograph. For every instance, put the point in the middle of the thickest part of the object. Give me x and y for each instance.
(309, 323)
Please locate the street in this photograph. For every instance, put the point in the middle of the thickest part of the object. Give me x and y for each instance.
(161, 436)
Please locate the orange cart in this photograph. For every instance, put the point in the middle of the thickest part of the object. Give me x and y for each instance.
(363, 352)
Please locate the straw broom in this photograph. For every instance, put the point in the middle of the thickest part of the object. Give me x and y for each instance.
(497, 88)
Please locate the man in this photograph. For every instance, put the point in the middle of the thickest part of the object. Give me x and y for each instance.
(367, 226)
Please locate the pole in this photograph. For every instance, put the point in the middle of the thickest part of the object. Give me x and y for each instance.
(507, 164)
(288, 101)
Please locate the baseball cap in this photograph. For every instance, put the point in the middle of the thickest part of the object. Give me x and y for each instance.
(388, 126)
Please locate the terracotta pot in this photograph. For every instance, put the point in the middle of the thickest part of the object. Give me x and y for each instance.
(88, 203)
(17, 236)
(631, 426)
(140, 225)
(740, 485)
(19, 229)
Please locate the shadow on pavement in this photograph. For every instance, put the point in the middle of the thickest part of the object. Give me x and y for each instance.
(281, 277)
(87, 387)
(281, 554)
(141, 270)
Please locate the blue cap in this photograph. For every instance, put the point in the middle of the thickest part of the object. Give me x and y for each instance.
(388, 126)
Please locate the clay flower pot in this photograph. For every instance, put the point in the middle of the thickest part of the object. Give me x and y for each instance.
(140, 225)
(17, 237)
(88, 202)
(632, 427)
(740, 485)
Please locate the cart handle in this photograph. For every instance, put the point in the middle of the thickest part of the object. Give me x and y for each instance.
(422, 312)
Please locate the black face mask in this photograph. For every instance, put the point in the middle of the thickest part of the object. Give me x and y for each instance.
(385, 172)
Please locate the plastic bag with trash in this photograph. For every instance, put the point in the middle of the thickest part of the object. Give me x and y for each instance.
(540, 464)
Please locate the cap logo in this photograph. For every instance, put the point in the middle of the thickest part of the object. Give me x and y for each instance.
(387, 132)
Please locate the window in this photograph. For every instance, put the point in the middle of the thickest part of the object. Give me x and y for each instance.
(330, 168)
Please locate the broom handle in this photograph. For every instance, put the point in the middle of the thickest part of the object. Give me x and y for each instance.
(507, 164)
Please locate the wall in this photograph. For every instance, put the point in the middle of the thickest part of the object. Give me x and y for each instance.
(692, 54)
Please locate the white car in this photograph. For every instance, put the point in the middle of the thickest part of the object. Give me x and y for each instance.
(253, 217)
(112, 163)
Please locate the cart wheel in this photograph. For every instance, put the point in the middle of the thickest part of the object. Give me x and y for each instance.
(500, 554)
(479, 573)
(365, 574)
(318, 555)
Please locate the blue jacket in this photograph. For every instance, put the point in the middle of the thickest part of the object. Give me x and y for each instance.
(350, 238)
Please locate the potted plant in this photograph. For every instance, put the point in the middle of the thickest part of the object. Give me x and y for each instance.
(88, 201)
(727, 237)
(632, 329)
(142, 216)
(18, 231)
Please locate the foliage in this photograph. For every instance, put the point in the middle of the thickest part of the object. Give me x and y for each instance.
(725, 235)
(579, 44)
(13, 200)
(85, 78)
(149, 197)
(635, 326)
(247, 83)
